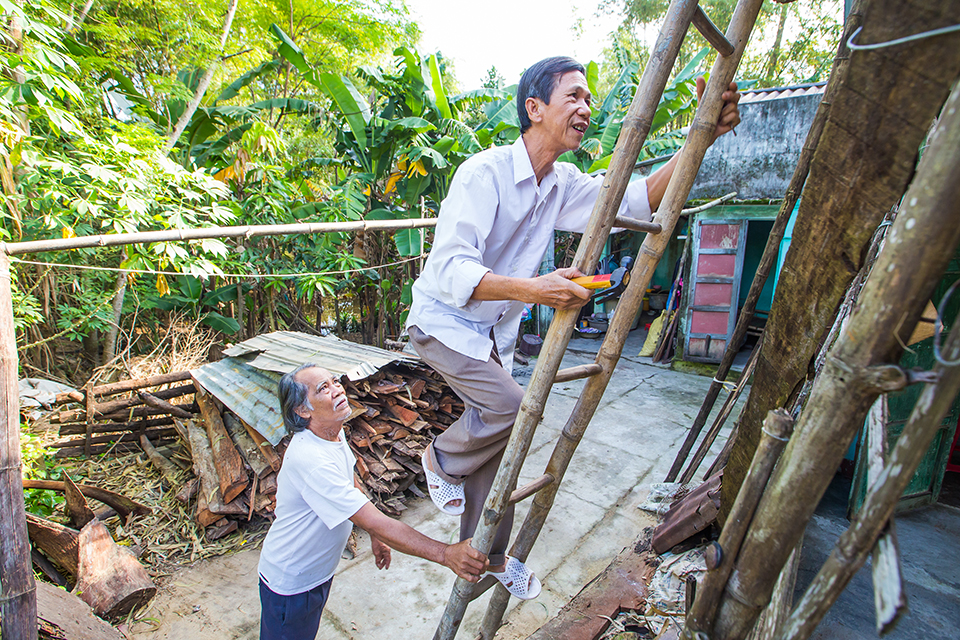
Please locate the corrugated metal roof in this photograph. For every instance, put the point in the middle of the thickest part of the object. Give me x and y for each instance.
(246, 380)
(284, 351)
(759, 95)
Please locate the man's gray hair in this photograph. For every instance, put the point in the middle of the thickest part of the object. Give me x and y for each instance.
(539, 81)
(293, 396)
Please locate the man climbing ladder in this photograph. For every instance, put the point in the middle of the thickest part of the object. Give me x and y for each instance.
(492, 231)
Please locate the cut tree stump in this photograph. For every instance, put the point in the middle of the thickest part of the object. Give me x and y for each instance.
(70, 616)
(111, 580)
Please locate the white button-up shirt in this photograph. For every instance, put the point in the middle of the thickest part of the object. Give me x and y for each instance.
(497, 218)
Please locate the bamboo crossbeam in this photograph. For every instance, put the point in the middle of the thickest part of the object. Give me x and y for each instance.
(700, 138)
(711, 33)
(776, 431)
(247, 231)
(530, 488)
(633, 224)
(919, 246)
(854, 545)
(772, 249)
(578, 372)
(144, 383)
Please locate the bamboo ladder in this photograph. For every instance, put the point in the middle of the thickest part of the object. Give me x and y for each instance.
(680, 15)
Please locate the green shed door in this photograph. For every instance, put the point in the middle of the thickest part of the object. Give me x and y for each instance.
(924, 488)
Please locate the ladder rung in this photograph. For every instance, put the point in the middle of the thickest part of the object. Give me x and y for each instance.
(531, 488)
(710, 31)
(575, 373)
(637, 225)
(481, 587)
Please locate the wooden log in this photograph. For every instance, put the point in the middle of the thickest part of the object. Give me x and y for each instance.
(226, 459)
(204, 468)
(166, 468)
(71, 617)
(75, 428)
(49, 571)
(107, 408)
(204, 516)
(892, 299)
(188, 490)
(89, 417)
(127, 436)
(248, 448)
(77, 508)
(121, 504)
(158, 403)
(141, 412)
(221, 528)
(110, 579)
(116, 448)
(264, 445)
(144, 383)
(58, 542)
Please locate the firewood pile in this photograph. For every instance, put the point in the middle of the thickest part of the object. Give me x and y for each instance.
(396, 413)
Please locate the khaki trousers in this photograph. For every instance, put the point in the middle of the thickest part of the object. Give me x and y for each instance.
(469, 451)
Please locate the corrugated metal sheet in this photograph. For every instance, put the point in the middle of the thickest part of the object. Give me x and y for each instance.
(246, 380)
(284, 351)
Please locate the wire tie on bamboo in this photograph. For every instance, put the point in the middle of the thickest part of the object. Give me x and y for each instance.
(13, 596)
(729, 386)
(938, 329)
(774, 436)
(904, 40)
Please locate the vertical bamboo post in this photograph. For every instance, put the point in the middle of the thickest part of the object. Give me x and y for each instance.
(698, 141)
(772, 248)
(920, 244)
(776, 432)
(18, 596)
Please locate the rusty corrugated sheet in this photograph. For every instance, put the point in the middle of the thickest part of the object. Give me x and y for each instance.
(246, 380)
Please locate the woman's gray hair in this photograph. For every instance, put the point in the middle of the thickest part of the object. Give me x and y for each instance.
(293, 396)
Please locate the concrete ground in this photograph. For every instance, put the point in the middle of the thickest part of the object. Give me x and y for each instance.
(631, 443)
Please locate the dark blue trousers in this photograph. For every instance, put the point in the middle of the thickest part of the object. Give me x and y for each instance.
(295, 617)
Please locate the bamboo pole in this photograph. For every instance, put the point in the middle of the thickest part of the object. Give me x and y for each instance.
(725, 411)
(249, 231)
(889, 597)
(698, 141)
(772, 248)
(920, 244)
(776, 432)
(856, 542)
(18, 596)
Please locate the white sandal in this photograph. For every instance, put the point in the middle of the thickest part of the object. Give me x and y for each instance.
(442, 492)
(518, 580)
